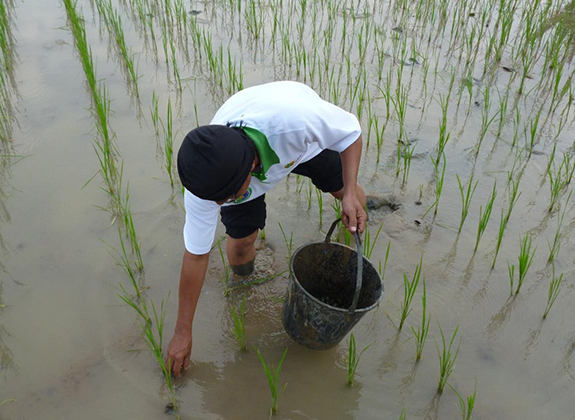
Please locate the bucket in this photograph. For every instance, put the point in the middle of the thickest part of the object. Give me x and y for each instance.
(324, 301)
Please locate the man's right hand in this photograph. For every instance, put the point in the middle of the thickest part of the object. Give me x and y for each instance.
(179, 351)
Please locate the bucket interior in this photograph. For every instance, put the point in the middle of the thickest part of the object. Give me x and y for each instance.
(328, 272)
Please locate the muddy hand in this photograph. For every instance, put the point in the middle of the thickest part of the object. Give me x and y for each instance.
(353, 214)
(179, 351)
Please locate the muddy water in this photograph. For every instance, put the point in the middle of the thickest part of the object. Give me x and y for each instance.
(70, 348)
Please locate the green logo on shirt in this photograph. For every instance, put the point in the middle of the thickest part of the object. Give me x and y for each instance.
(244, 197)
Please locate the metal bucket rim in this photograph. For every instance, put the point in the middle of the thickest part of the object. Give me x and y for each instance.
(294, 278)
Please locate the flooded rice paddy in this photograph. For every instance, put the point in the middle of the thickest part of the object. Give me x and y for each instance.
(95, 94)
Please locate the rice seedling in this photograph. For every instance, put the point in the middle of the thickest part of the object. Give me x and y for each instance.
(554, 290)
(289, 243)
(403, 415)
(486, 121)
(273, 374)
(239, 329)
(128, 222)
(438, 185)
(533, 125)
(319, 196)
(421, 333)
(514, 195)
(6, 401)
(115, 26)
(556, 184)
(568, 165)
(556, 245)
(154, 113)
(226, 276)
(382, 269)
(407, 156)
(511, 271)
(443, 134)
(409, 288)
(353, 359)
(138, 302)
(503, 102)
(400, 105)
(525, 260)
(466, 405)
(466, 197)
(369, 245)
(169, 144)
(446, 358)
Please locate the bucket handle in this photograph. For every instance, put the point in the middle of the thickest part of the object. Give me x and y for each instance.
(359, 278)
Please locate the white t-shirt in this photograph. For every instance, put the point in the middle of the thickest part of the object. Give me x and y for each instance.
(298, 125)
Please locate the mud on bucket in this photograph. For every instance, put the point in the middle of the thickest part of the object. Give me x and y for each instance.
(316, 312)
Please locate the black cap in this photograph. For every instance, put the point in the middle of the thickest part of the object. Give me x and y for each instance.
(214, 161)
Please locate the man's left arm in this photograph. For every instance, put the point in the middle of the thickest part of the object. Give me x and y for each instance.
(353, 212)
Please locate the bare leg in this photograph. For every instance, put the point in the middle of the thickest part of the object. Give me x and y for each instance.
(242, 254)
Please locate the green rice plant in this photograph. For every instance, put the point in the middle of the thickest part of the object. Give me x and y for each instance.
(438, 185)
(319, 196)
(273, 374)
(556, 245)
(409, 288)
(154, 113)
(239, 329)
(403, 415)
(502, 226)
(126, 53)
(443, 134)
(382, 270)
(503, 102)
(169, 144)
(511, 271)
(156, 345)
(514, 195)
(6, 401)
(486, 121)
(466, 197)
(379, 135)
(407, 156)
(554, 290)
(525, 260)
(568, 167)
(130, 229)
(446, 358)
(556, 184)
(466, 405)
(336, 206)
(368, 244)
(353, 359)
(289, 243)
(421, 333)
(226, 277)
(551, 158)
(153, 337)
(400, 105)
(532, 138)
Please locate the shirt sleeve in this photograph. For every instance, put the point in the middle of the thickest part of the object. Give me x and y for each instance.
(201, 223)
(331, 127)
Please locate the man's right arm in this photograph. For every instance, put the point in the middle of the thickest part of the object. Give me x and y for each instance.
(194, 269)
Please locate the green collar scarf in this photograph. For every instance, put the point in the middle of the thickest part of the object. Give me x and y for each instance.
(267, 156)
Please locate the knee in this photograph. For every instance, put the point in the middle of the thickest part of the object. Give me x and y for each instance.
(243, 246)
